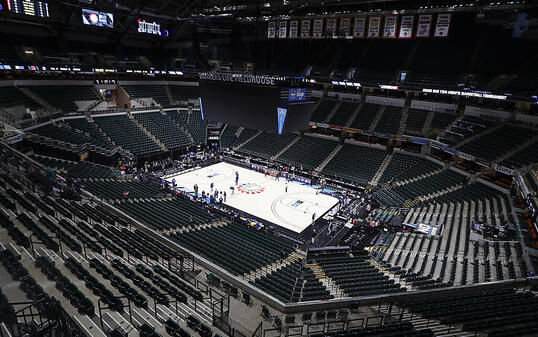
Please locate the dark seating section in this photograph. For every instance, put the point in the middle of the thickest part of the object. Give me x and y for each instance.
(14, 233)
(293, 283)
(162, 128)
(157, 92)
(193, 122)
(402, 163)
(69, 290)
(112, 189)
(323, 109)
(227, 136)
(79, 169)
(355, 163)
(45, 305)
(524, 157)
(494, 144)
(308, 152)
(244, 136)
(66, 135)
(183, 93)
(94, 285)
(167, 214)
(92, 129)
(402, 329)
(415, 120)
(266, 144)
(500, 312)
(442, 120)
(11, 96)
(464, 128)
(365, 117)
(343, 113)
(390, 120)
(356, 276)
(120, 284)
(398, 195)
(126, 134)
(64, 97)
(233, 246)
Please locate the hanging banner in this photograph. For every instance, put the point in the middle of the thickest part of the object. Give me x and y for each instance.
(330, 29)
(373, 27)
(305, 29)
(294, 27)
(271, 30)
(406, 27)
(389, 28)
(283, 29)
(317, 32)
(424, 25)
(359, 27)
(442, 25)
(344, 27)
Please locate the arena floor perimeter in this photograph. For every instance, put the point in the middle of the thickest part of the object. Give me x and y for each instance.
(259, 195)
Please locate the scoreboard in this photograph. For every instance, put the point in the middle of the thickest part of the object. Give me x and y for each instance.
(29, 7)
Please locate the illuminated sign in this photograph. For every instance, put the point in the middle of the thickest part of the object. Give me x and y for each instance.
(99, 19)
(151, 28)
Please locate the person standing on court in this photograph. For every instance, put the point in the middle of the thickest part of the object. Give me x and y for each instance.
(286, 187)
(211, 186)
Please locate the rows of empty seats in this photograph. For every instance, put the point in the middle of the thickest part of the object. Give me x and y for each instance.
(498, 142)
(193, 122)
(356, 276)
(355, 163)
(126, 134)
(308, 152)
(390, 120)
(157, 92)
(11, 96)
(398, 195)
(64, 97)
(113, 189)
(167, 214)
(82, 124)
(415, 120)
(66, 135)
(79, 169)
(399, 164)
(502, 312)
(343, 113)
(227, 137)
(293, 283)
(233, 246)
(325, 106)
(442, 120)
(366, 115)
(266, 144)
(162, 128)
(524, 157)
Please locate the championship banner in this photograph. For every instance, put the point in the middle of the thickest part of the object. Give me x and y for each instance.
(406, 27)
(424, 25)
(344, 27)
(282, 29)
(373, 27)
(330, 30)
(442, 25)
(305, 29)
(294, 27)
(389, 28)
(359, 27)
(317, 32)
(271, 30)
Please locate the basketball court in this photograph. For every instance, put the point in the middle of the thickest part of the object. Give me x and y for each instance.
(259, 195)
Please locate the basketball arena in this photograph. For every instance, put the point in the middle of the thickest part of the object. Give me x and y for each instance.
(319, 168)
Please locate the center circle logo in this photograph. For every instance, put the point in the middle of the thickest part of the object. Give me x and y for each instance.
(250, 188)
